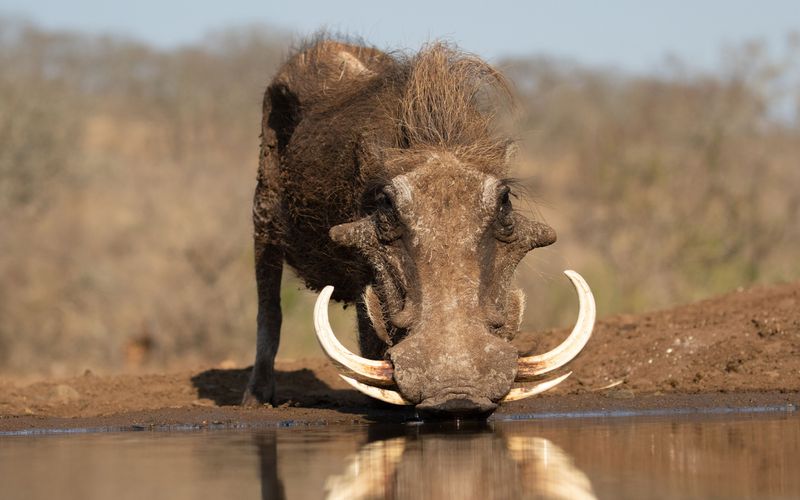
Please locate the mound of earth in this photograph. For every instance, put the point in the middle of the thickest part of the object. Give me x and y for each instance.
(736, 350)
(747, 340)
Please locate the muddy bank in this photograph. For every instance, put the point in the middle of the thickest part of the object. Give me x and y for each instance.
(565, 406)
(734, 351)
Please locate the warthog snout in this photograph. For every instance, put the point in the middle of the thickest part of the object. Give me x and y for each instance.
(459, 371)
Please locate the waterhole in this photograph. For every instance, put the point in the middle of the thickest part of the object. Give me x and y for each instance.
(711, 456)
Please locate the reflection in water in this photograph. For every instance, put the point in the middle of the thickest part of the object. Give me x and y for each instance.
(549, 468)
(369, 473)
(671, 457)
(577, 458)
(271, 484)
(460, 463)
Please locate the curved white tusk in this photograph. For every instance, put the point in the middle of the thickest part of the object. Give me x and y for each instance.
(532, 366)
(372, 371)
(525, 392)
(386, 395)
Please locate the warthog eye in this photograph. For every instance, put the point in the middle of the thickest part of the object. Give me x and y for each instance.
(387, 223)
(504, 222)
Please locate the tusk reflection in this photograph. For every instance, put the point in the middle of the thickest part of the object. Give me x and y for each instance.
(462, 463)
(550, 467)
(367, 472)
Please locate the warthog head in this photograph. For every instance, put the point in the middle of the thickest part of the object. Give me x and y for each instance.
(444, 241)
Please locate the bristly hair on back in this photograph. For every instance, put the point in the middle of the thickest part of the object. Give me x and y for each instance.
(448, 100)
(438, 98)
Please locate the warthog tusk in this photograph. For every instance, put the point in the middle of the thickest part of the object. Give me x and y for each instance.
(393, 397)
(532, 366)
(386, 395)
(372, 371)
(525, 392)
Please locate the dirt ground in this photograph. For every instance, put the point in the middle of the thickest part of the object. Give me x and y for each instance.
(739, 350)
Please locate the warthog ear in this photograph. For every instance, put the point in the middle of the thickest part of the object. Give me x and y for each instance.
(535, 234)
(359, 234)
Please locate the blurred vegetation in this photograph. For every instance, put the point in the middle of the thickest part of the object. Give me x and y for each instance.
(126, 178)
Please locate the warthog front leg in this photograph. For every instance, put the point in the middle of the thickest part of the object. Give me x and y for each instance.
(269, 267)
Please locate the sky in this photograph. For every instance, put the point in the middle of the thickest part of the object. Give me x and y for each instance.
(630, 35)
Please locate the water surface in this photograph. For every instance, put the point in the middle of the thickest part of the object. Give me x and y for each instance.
(741, 456)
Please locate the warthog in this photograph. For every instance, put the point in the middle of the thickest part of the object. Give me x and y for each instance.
(382, 183)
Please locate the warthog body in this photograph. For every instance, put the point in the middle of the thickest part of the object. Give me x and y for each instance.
(380, 175)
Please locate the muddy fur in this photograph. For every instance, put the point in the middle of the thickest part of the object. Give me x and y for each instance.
(384, 170)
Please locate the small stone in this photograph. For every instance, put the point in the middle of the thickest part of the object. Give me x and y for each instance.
(621, 394)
